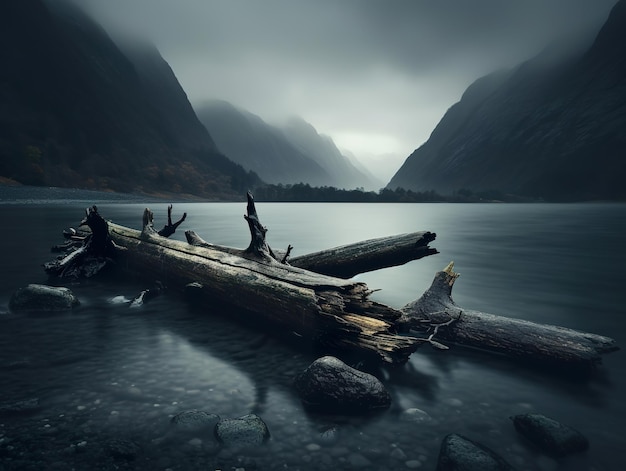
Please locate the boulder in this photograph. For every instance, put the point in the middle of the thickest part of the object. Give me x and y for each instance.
(458, 453)
(42, 298)
(549, 435)
(329, 385)
(248, 430)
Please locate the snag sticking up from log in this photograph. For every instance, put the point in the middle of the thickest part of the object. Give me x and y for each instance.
(258, 249)
(546, 345)
(168, 229)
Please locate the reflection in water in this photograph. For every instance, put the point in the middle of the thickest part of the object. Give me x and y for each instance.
(106, 371)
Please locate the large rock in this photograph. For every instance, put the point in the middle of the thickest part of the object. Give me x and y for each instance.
(329, 385)
(42, 298)
(550, 436)
(246, 431)
(458, 453)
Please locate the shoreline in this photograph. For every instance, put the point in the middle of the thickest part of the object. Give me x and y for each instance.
(25, 194)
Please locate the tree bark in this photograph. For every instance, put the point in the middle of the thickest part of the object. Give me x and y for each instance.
(546, 345)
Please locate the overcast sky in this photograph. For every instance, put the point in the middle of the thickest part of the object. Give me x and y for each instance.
(375, 75)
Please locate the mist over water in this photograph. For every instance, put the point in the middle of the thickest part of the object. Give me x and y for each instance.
(106, 371)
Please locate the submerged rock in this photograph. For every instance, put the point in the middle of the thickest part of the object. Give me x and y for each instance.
(329, 385)
(549, 435)
(195, 420)
(42, 298)
(458, 453)
(329, 435)
(249, 430)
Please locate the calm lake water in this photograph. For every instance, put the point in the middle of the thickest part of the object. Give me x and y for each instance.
(106, 372)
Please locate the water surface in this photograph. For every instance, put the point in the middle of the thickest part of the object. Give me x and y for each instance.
(106, 372)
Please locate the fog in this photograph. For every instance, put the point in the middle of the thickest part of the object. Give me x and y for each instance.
(377, 76)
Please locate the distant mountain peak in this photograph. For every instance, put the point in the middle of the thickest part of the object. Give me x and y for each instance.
(293, 152)
(298, 122)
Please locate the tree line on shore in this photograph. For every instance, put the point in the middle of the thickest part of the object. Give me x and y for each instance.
(303, 192)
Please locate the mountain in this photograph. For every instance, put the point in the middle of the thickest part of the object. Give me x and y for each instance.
(294, 153)
(181, 126)
(324, 151)
(543, 129)
(77, 110)
(257, 146)
(376, 182)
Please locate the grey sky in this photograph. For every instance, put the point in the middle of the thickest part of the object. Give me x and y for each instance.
(375, 75)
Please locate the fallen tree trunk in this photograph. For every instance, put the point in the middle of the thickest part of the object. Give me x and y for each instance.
(331, 311)
(327, 310)
(349, 260)
(546, 345)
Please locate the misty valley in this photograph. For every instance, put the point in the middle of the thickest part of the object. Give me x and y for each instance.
(112, 115)
(387, 147)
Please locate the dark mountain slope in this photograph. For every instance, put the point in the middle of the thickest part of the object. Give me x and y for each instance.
(181, 125)
(76, 111)
(541, 130)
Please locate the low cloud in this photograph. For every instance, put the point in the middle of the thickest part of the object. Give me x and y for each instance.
(351, 67)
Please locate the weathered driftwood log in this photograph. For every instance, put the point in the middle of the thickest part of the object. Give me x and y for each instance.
(328, 310)
(349, 260)
(542, 344)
